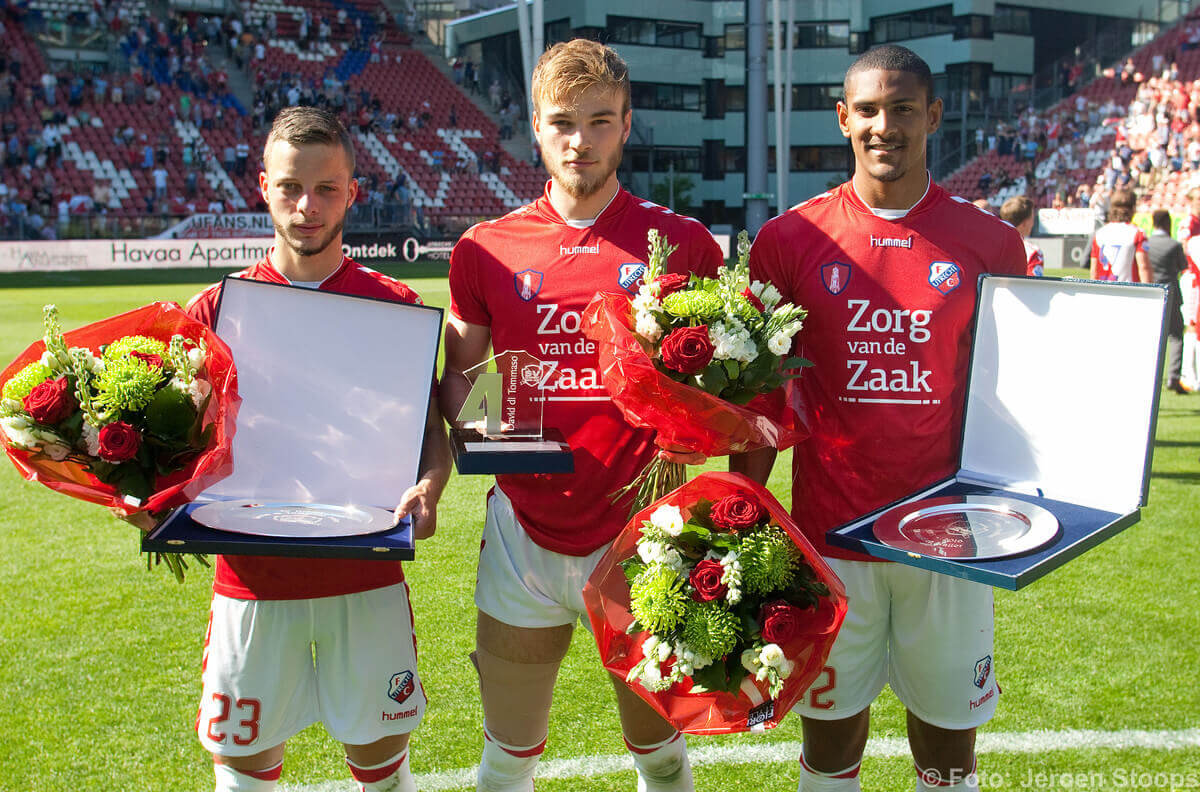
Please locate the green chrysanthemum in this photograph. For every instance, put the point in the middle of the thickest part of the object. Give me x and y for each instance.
(134, 343)
(697, 304)
(26, 380)
(657, 598)
(170, 413)
(745, 311)
(126, 384)
(710, 629)
(768, 561)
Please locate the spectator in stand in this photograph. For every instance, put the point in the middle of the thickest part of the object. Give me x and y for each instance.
(1118, 248)
(1167, 264)
(1018, 212)
(243, 157)
(160, 183)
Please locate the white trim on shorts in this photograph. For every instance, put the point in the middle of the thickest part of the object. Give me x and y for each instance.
(274, 667)
(928, 635)
(522, 584)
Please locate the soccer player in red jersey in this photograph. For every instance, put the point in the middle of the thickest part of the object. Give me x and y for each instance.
(1118, 246)
(521, 282)
(1018, 212)
(293, 640)
(887, 265)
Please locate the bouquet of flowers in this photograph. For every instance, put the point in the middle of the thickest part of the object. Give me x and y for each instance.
(692, 357)
(714, 608)
(134, 412)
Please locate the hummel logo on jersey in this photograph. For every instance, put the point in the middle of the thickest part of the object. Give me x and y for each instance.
(983, 670)
(628, 274)
(527, 283)
(835, 275)
(401, 686)
(887, 242)
(945, 276)
(578, 249)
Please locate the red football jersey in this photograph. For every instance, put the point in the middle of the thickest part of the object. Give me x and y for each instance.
(891, 306)
(1036, 262)
(1114, 246)
(276, 578)
(528, 276)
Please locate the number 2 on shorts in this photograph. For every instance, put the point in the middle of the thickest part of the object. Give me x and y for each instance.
(815, 693)
(249, 725)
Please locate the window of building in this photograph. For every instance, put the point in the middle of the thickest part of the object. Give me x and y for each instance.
(665, 96)
(735, 37)
(685, 159)
(558, 30)
(1011, 19)
(914, 24)
(973, 26)
(655, 33)
(735, 98)
(811, 35)
(810, 97)
(820, 158)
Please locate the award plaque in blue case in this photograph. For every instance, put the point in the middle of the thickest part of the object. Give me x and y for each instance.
(1060, 411)
(335, 395)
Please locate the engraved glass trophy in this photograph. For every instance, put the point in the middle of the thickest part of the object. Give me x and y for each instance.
(499, 428)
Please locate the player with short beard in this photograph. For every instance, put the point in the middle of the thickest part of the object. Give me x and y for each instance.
(521, 282)
(887, 265)
(293, 641)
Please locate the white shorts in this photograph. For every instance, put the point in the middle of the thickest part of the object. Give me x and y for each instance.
(273, 667)
(928, 635)
(522, 584)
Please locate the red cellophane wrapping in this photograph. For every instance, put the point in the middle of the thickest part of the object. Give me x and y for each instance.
(158, 320)
(607, 598)
(682, 414)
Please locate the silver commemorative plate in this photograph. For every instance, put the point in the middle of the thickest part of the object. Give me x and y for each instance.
(292, 520)
(967, 527)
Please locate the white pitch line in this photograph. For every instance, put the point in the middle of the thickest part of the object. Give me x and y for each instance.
(789, 750)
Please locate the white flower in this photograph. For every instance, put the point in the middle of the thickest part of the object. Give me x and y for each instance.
(16, 429)
(198, 389)
(94, 363)
(645, 301)
(771, 655)
(664, 651)
(786, 669)
(648, 327)
(651, 675)
(668, 519)
(196, 358)
(51, 362)
(672, 559)
(686, 669)
(750, 660)
(56, 451)
(91, 439)
(649, 645)
(650, 552)
(779, 344)
(766, 293)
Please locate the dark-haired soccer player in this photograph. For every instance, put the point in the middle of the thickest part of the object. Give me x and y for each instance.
(887, 264)
(293, 641)
(521, 282)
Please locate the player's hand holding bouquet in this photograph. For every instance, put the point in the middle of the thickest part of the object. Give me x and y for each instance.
(134, 412)
(714, 608)
(688, 355)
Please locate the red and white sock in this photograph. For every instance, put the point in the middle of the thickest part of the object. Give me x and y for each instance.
(507, 768)
(663, 766)
(840, 781)
(956, 781)
(232, 780)
(392, 775)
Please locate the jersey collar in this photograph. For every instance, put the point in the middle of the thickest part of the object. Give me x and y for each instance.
(611, 210)
(932, 192)
(264, 270)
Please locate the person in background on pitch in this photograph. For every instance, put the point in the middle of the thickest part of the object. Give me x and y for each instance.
(1167, 264)
(1118, 246)
(887, 265)
(1018, 212)
(293, 641)
(521, 282)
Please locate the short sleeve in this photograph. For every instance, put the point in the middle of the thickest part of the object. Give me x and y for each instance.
(467, 300)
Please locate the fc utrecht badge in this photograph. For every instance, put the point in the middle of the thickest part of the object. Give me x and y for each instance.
(401, 686)
(945, 276)
(528, 283)
(836, 276)
(628, 274)
(983, 669)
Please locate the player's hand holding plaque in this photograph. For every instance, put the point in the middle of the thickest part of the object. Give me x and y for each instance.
(499, 428)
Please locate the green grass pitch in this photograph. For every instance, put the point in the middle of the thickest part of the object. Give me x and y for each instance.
(100, 660)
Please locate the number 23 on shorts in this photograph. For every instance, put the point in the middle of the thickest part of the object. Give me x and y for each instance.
(247, 727)
(818, 694)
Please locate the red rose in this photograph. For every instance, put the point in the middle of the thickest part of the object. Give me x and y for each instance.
(735, 512)
(50, 402)
(119, 441)
(782, 622)
(670, 283)
(757, 303)
(149, 358)
(687, 350)
(706, 579)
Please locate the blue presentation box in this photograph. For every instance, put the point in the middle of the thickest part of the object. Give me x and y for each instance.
(335, 393)
(1061, 405)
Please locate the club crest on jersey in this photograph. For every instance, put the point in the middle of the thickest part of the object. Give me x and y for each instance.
(528, 283)
(983, 669)
(401, 686)
(630, 274)
(836, 276)
(945, 276)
